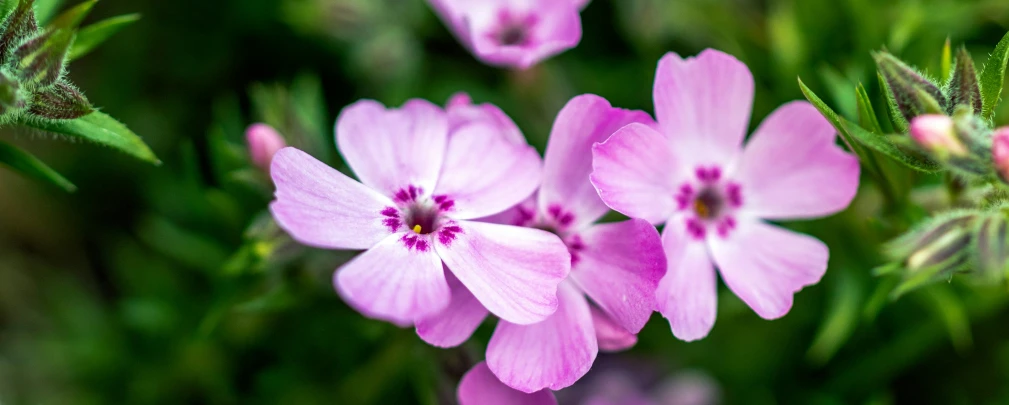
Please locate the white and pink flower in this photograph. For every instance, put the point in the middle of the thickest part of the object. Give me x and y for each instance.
(615, 267)
(513, 33)
(714, 195)
(424, 178)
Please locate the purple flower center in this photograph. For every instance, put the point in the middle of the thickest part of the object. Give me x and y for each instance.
(709, 202)
(557, 221)
(513, 29)
(422, 218)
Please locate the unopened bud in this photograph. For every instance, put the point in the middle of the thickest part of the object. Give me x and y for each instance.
(991, 248)
(937, 135)
(264, 142)
(913, 94)
(11, 96)
(1000, 153)
(934, 250)
(964, 89)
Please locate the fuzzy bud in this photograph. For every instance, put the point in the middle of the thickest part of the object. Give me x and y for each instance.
(913, 94)
(964, 89)
(991, 247)
(1000, 153)
(264, 142)
(11, 96)
(937, 135)
(934, 250)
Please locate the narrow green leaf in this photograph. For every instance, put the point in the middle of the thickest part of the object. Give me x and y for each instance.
(993, 76)
(866, 114)
(831, 117)
(72, 18)
(46, 9)
(948, 308)
(89, 37)
(29, 165)
(884, 145)
(946, 63)
(840, 320)
(100, 128)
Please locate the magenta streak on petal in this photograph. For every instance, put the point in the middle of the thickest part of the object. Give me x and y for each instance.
(415, 242)
(575, 245)
(444, 203)
(709, 174)
(513, 30)
(725, 225)
(408, 194)
(684, 197)
(734, 194)
(560, 217)
(696, 229)
(392, 221)
(447, 234)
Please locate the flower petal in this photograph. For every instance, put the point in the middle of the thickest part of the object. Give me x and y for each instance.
(322, 207)
(791, 167)
(703, 104)
(485, 173)
(513, 271)
(635, 173)
(585, 120)
(688, 294)
(451, 327)
(610, 336)
(766, 265)
(551, 354)
(480, 387)
(461, 111)
(619, 267)
(393, 148)
(548, 28)
(395, 283)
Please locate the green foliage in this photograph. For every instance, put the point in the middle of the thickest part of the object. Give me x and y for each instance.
(99, 128)
(993, 76)
(24, 163)
(90, 37)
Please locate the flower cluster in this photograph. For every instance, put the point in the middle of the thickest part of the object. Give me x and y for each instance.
(460, 218)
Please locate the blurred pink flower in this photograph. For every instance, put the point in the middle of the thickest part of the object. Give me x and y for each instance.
(264, 142)
(694, 175)
(513, 33)
(616, 265)
(1000, 152)
(683, 388)
(480, 387)
(421, 187)
(936, 133)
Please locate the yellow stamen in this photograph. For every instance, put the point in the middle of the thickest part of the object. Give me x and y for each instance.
(416, 229)
(701, 208)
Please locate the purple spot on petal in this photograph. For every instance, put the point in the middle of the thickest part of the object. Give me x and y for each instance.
(734, 194)
(447, 205)
(727, 224)
(409, 241)
(422, 245)
(524, 217)
(684, 197)
(402, 196)
(554, 210)
(392, 223)
(438, 199)
(390, 212)
(566, 219)
(447, 234)
(695, 229)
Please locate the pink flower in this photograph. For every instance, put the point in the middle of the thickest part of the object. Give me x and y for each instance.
(937, 134)
(694, 175)
(264, 142)
(480, 387)
(1000, 152)
(421, 187)
(513, 33)
(615, 265)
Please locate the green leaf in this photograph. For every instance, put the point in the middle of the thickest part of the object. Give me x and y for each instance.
(946, 63)
(72, 18)
(31, 166)
(88, 38)
(833, 118)
(993, 76)
(46, 9)
(100, 128)
(866, 115)
(884, 145)
(840, 320)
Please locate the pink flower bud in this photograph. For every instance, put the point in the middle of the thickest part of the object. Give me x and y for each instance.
(936, 133)
(264, 142)
(1000, 152)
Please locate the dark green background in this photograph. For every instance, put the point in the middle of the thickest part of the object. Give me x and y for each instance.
(141, 288)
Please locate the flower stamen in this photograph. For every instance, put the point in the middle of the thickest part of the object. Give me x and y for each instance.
(417, 228)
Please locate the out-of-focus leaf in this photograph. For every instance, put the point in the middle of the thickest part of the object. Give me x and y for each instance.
(71, 18)
(189, 248)
(950, 310)
(993, 77)
(101, 128)
(29, 165)
(946, 61)
(44, 9)
(88, 38)
(840, 321)
(866, 115)
(881, 295)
